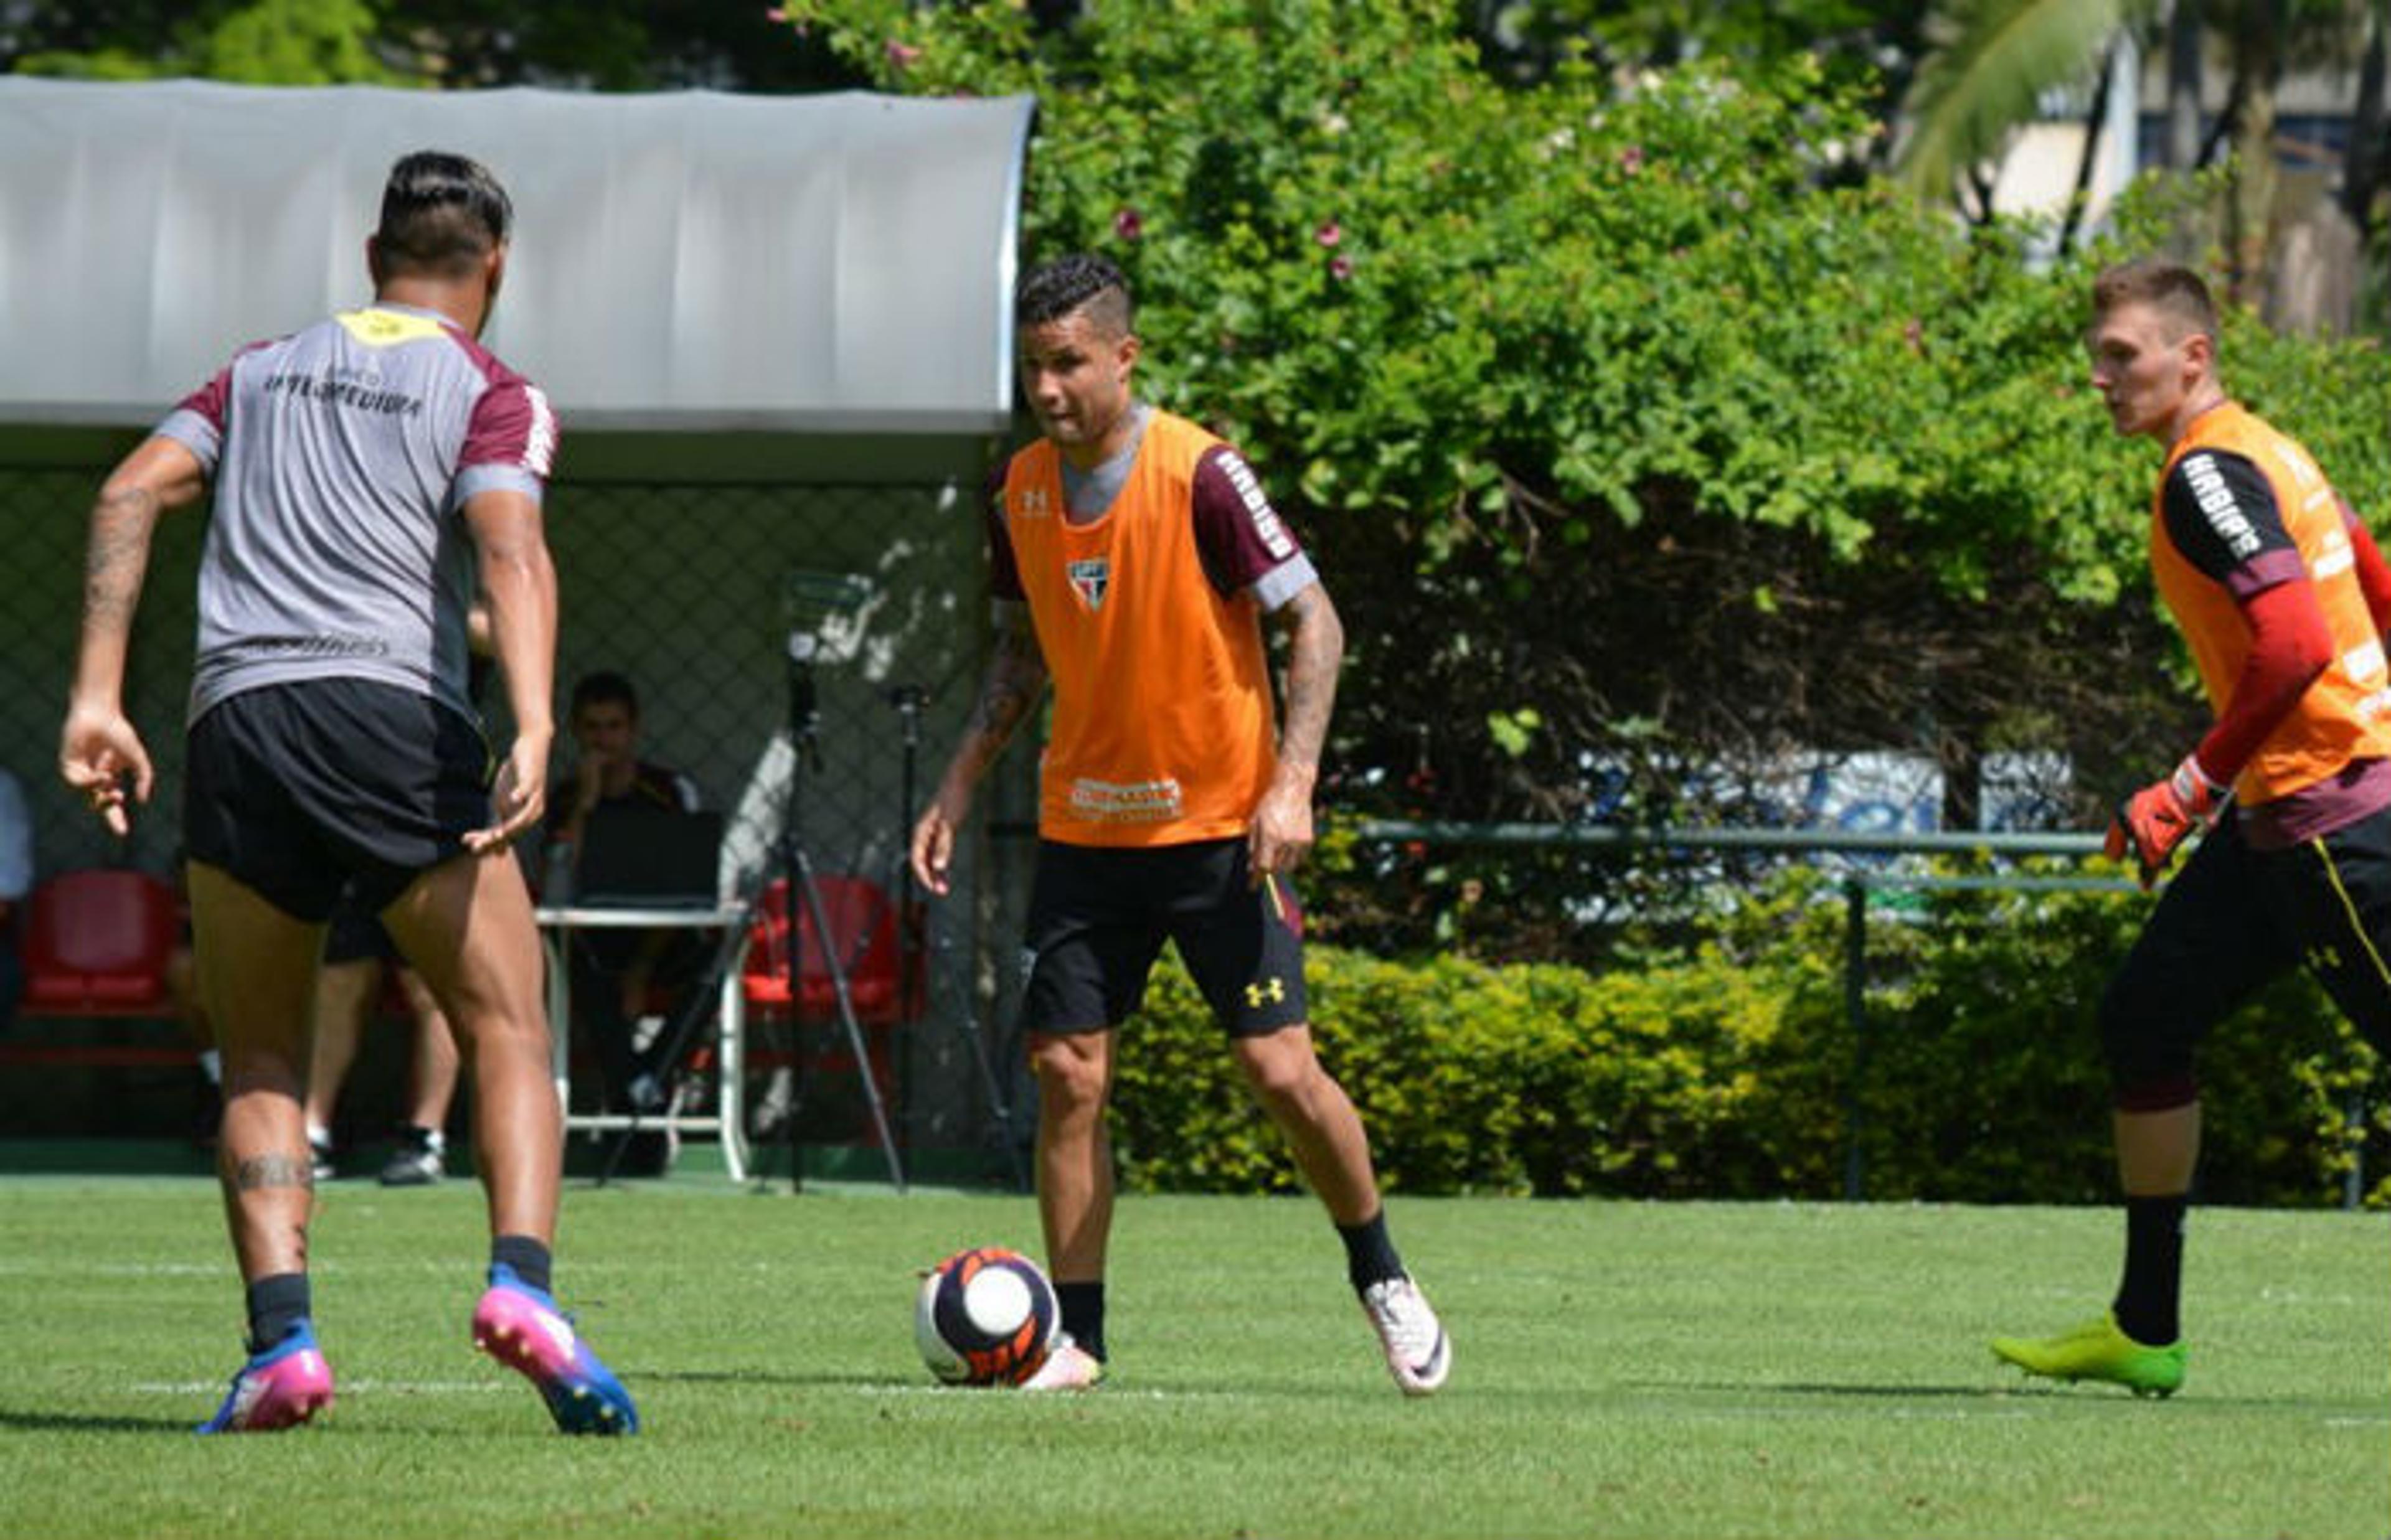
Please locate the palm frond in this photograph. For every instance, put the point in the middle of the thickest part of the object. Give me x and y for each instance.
(1992, 61)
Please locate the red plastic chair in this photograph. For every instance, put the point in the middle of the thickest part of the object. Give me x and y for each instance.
(863, 925)
(96, 943)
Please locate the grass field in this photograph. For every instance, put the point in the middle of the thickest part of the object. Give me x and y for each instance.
(1621, 1371)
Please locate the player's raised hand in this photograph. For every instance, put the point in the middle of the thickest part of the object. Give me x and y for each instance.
(2159, 818)
(102, 756)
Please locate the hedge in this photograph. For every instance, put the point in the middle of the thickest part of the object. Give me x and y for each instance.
(1724, 1072)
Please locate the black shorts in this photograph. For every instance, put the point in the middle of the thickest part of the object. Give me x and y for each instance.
(299, 790)
(2236, 919)
(1098, 918)
(356, 934)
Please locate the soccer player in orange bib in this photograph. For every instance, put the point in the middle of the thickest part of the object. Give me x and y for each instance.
(2282, 596)
(1133, 557)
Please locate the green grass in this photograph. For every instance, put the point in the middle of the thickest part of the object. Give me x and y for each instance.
(1620, 1369)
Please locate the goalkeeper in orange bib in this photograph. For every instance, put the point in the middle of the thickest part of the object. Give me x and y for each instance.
(2282, 596)
(1133, 558)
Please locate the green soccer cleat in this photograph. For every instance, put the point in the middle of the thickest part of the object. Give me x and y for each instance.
(2097, 1350)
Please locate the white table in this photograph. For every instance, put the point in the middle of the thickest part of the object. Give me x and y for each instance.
(556, 928)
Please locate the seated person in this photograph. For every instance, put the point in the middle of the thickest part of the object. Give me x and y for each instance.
(614, 970)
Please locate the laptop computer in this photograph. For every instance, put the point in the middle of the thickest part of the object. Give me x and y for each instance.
(640, 856)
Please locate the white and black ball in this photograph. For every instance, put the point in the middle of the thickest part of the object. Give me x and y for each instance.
(985, 1316)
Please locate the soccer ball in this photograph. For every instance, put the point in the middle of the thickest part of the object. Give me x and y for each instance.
(985, 1316)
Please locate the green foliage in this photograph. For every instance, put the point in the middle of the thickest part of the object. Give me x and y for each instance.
(599, 44)
(1855, 41)
(1992, 62)
(1688, 438)
(261, 43)
(1732, 1071)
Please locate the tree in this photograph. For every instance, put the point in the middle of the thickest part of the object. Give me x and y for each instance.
(1994, 60)
(1864, 46)
(260, 43)
(1636, 436)
(600, 45)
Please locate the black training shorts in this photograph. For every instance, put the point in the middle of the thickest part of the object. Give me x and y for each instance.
(357, 933)
(2236, 919)
(1098, 917)
(300, 790)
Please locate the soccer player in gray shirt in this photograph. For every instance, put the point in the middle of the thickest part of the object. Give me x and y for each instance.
(369, 471)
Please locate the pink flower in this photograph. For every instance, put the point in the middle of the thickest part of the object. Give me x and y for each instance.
(1340, 268)
(1631, 160)
(1128, 224)
(776, 13)
(902, 55)
(1328, 234)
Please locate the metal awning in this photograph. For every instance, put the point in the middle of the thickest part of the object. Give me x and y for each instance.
(686, 260)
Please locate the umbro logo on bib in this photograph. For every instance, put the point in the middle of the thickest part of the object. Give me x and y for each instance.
(1091, 577)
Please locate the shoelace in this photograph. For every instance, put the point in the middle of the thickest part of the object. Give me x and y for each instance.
(1390, 1305)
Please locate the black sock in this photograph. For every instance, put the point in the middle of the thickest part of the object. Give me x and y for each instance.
(1083, 1314)
(1369, 1256)
(529, 1257)
(276, 1304)
(2150, 1294)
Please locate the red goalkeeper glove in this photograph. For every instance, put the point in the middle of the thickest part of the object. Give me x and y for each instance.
(2153, 821)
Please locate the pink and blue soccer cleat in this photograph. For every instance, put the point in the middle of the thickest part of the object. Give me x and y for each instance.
(521, 1328)
(280, 1387)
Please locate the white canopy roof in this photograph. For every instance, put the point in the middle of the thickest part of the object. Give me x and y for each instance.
(691, 260)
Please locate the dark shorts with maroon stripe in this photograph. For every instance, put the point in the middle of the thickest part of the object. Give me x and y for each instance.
(299, 790)
(1098, 917)
(2235, 920)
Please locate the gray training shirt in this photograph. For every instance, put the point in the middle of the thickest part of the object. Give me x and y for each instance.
(341, 456)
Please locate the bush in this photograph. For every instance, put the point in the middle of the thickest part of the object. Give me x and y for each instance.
(1730, 1072)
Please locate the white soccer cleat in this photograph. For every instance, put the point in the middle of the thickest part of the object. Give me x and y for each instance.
(1068, 1366)
(1418, 1353)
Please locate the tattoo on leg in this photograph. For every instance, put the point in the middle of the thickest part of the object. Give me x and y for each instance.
(273, 1170)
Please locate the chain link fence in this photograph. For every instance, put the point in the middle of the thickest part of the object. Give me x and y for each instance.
(682, 586)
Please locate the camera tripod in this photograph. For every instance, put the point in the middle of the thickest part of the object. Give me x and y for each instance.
(814, 596)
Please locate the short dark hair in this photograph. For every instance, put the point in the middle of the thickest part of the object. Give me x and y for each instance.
(2160, 283)
(606, 687)
(1079, 281)
(441, 214)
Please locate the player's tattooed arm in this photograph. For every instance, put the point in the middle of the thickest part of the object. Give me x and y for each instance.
(1008, 693)
(1315, 652)
(117, 556)
(1282, 832)
(1015, 678)
(101, 753)
(156, 478)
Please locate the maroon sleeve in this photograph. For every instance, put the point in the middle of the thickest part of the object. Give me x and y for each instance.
(2289, 645)
(513, 426)
(211, 401)
(1003, 569)
(1238, 533)
(2373, 572)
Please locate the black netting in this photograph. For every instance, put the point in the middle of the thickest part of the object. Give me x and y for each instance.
(685, 589)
